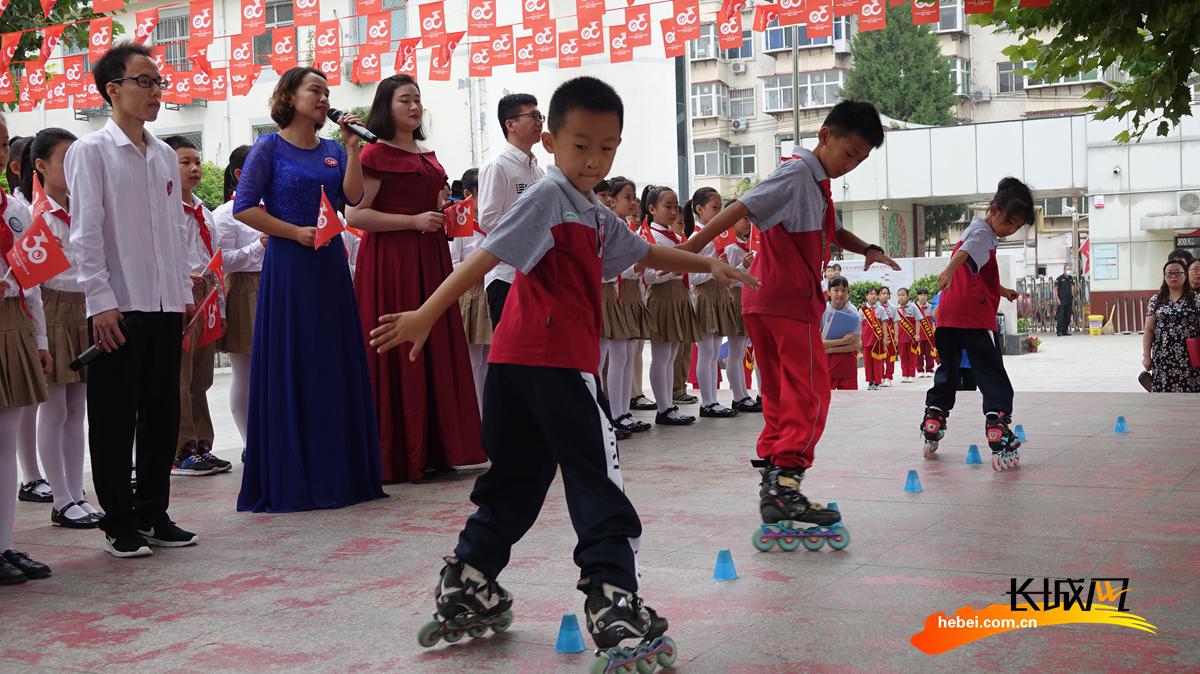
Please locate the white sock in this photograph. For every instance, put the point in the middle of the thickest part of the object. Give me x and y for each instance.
(662, 372)
(479, 357)
(60, 441)
(709, 350)
(10, 422)
(620, 371)
(734, 370)
(26, 435)
(239, 391)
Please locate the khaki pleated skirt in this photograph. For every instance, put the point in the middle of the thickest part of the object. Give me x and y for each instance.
(623, 310)
(66, 331)
(241, 303)
(21, 380)
(739, 329)
(669, 314)
(714, 309)
(476, 317)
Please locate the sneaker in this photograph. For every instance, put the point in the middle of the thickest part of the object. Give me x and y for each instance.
(167, 535)
(32, 570)
(717, 411)
(685, 399)
(37, 491)
(672, 417)
(887, 383)
(193, 464)
(642, 404)
(748, 405)
(127, 545)
(213, 460)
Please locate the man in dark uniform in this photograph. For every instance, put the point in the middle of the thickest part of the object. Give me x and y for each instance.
(1065, 286)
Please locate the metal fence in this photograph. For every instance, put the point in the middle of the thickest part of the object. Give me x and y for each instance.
(1038, 302)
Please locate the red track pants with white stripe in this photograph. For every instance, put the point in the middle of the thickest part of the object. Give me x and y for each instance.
(795, 388)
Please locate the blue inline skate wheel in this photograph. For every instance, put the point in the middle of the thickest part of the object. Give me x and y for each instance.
(840, 538)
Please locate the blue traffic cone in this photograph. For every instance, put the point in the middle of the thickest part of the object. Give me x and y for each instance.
(913, 483)
(833, 506)
(1019, 431)
(973, 455)
(1120, 427)
(570, 640)
(724, 569)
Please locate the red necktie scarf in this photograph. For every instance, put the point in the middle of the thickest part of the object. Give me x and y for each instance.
(205, 235)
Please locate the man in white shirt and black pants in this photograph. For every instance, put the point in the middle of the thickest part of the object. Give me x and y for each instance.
(126, 217)
(504, 179)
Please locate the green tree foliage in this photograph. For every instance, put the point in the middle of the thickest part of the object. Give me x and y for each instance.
(858, 291)
(939, 220)
(901, 70)
(928, 282)
(211, 189)
(1156, 41)
(333, 131)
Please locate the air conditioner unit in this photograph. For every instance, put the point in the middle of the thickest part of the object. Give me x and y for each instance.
(739, 125)
(738, 67)
(1188, 202)
(984, 94)
(841, 46)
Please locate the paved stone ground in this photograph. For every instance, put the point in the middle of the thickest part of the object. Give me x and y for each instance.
(347, 590)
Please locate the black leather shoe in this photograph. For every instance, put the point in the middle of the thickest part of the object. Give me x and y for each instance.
(664, 418)
(59, 519)
(621, 433)
(29, 492)
(715, 411)
(748, 405)
(32, 570)
(642, 404)
(11, 575)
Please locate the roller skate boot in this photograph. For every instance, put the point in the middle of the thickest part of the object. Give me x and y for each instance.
(933, 428)
(1004, 443)
(783, 508)
(615, 615)
(468, 602)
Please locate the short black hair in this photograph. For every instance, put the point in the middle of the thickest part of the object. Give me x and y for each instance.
(857, 117)
(111, 66)
(180, 143)
(470, 180)
(379, 119)
(883, 288)
(1014, 198)
(510, 106)
(237, 159)
(282, 112)
(922, 291)
(602, 186)
(901, 290)
(1177, 254)
(839, 281)
(835, 266)
(583, 93)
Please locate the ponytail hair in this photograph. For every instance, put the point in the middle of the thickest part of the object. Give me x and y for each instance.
(41, 147)
(16, 145)
(1014, 198)
(699, 198)
(237, 159)
(650, 196)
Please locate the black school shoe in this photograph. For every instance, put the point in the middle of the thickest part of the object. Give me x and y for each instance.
(748, 405)
(30, 492)
(642, 404)
(59, 519)
(32, 570)
(167, 535)
(717, 411)
(626, 422)
(665, 418)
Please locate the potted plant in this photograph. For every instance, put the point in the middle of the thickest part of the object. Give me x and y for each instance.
(1032, 344)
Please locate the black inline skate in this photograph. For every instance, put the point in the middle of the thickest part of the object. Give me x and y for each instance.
(615, 615)
(1003, 442)
(933, 428)
(468, 602)
(782, 506)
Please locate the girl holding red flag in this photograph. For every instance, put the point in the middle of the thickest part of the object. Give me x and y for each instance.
(473, 307)
(739, 254)
(24, 358)
(428, 414)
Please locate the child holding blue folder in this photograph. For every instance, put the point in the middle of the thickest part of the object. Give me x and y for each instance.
(840, 335)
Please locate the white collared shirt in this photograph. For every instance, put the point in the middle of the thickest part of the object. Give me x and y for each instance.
(240, 244)
(126, 211)
(67, 281)
(198, 255)
(501, 182)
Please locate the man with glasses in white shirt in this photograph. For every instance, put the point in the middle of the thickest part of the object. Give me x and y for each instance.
(504, 179)
(127, 217)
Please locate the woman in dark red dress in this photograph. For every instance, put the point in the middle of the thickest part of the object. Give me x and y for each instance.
(428, 415)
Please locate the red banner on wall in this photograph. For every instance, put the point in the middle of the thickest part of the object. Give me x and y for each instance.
(201, 16)
(926, 11)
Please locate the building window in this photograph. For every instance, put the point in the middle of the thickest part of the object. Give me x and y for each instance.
(741, 103)
(710, 157)
(706, 46)
(778, 38)
(399, 24)
(1008, 77)
(1092, 75)
(952, 18)
(779, 141)
(260, 130)
(710, 99)
(746, 51)
(777, 93)
(742, 160)
(279, 14)
(1196, 91)
(960, 75)
(171, 34)
(819, 89)
(1056, 207)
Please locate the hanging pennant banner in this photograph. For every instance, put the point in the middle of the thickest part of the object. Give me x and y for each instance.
(8, 48)
(673, 45)
(637, 26)
(306, 12)
(545, 40)
(729, 8)
(1035, 3)
(283, 49)
(180, 89)
(144, 23)
(254, 17)
(763, 15)
(327, 41)
(406, 57)
(729, 32)
(332, 67)
(501, 42)
(568, 49)
(619, 49)
(480, 63)
(925, 11)
(366, 67)
(158, 54)
(368, 7)
(978, 6)
(102, 6)
(379, 32)
(792, 12)
(218, 85)
(57, 97)
(201, 83)
(99, 37)
(481, 17)
(47, 7)
(202, 21)
(442, 56)
(591, 38)
(7, 93)
(820, 19)
(587, 11)
(74, 74)
(241, 53)
(871, 16)
(433, 21)
(242, 80)
(25, 100)
(846, 7)
(90, 98)
(535, 11)
(50, 37)
(687, 19)
(527, 60)
(36, 78)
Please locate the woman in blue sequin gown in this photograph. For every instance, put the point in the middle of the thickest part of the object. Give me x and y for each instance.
(312, 437)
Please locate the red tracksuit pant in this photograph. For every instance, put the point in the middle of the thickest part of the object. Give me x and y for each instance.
(925, 357)
(873, 367)
(908, 360)
(795, 388)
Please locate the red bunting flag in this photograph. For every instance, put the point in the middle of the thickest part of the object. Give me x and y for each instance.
(501, 41)
(871, 16)
(99, 38)
(379, 32)
(406, 57)
(254, 17)
(1030, 3)
(36, 77)
(36, 257)
(25, 99)
(481, 17)
(241, 52)
(820, 19)
(729, 32)
(201, 83)
(48, 6)
(460, 218)
(545, 40)
(527, 60)
(637, 25)
(8, 48)
(619, 49)
(673, 45)
(926, 11)
(50, 37)
(442, 57)
(74, 74)
(978, 6)
(763, 15)
(368, 7)
(306, 12)
(480, 63)
(587, 11)
(101, 6)
(144, 23)
(535, 11)
(331, 65)
(7, 93)
(433, 21)
(846, 7)
(218, 85)
(568, 49)
(328, 223)
(366, 67)
(792, 12)
(57, 96)
(328, 41)
(729, 8)
(217, 266)
(283, 49)
(591, 38)
(687, 19)
(202, 21)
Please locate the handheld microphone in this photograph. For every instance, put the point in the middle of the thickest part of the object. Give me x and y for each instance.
(357, 129)
(93, 352)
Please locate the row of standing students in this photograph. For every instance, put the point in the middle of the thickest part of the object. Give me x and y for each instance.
(891, 333)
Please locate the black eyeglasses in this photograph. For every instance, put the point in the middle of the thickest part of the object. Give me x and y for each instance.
(535, 116)
(145, 81)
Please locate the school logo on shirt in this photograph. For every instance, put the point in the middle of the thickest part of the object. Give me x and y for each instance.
(170, 187)
(570, 216)
(330, 162)
(15, 225)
